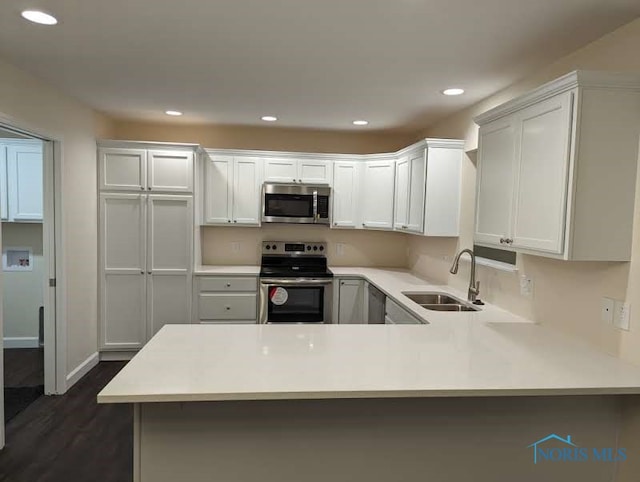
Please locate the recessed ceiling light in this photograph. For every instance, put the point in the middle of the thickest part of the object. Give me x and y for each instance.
(36, 16)
(360, 122)
(453, 91)
(174, 113)
(269, 118)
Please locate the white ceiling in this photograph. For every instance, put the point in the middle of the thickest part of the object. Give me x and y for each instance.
(316, 64)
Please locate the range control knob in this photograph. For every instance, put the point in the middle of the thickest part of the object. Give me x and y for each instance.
(308, 248)
(273, 247)
(315, 248)
(321, 248)
(268, 246)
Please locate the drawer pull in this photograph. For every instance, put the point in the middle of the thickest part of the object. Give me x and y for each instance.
(227, 308)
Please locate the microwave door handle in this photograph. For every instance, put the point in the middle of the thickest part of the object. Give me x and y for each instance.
(315, 205)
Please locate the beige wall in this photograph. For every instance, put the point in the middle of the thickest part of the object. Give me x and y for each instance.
(22, 295)
(567, 294)
(361, 248)
(30, 103)
(263, 138)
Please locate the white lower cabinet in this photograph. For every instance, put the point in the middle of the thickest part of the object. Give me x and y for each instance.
(377, 194)
(145, 266)
(351, 301)
(396, 315)
(226, 299)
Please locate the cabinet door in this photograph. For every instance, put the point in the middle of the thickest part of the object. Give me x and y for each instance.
(315, 172)
(541, 185)
(122, 241)
(4, 197)
(496, 158)
(247, 179)
(122, 169)
(24, 180)
(401, 202)
(169, 260)
(417, 178)
(378, 194)
(281, 170)
(442, 203)
(170, 171)
(346, 198)
(351, 302)
(218, 190)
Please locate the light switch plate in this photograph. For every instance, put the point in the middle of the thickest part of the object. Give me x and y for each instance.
(621, 315)
(607, 307)
(526, 286)
(340, 249)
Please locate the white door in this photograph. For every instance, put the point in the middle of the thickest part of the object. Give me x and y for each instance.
(315, 172)
(4, 198)
(170, 171)
(378, 194)
(122, 169)
(496, 165)
(24, 180)
(417, 180)
(169, 261)
(401, 203)
(247, 179)
(218, 190)
(346, 194)
(122, 236)
(541, 185)
(281, 170)
(351, 302)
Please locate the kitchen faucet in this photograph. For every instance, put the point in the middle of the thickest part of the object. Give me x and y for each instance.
(474, 287)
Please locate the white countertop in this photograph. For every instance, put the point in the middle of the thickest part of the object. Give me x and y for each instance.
(487, 353)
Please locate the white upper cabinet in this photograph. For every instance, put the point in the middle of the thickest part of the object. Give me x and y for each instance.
(122, 169)
(4, 198)
(308, 171)
(557, 169)
(154, 170)
(233, 190)
(346, 194)
(410, 190)
(170, 171)
(401, 203)
(495, 177)
(545, 144)
(443, 188)
(377, 194)
(280, 170)
(218, 197)
(247, 180)
(24, 182)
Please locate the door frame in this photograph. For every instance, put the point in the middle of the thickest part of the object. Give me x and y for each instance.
(55, 332)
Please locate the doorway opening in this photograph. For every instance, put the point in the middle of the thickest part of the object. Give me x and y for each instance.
(28, 261)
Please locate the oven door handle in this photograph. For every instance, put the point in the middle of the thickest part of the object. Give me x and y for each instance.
(295, 281)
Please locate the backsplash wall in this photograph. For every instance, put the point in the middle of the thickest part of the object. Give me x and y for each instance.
(241, 246)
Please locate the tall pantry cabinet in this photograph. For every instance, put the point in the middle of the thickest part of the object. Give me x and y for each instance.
(145, 241)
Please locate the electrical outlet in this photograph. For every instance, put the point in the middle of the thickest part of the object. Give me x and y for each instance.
(235, 247)
(340, 249)
(526, 286)
(607, 308)
(621, 316)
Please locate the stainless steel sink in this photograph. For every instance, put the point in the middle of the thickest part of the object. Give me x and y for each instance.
(452, 307)
(440, 302)
(432, 298)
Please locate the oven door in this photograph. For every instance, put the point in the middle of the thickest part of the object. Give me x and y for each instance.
(295, 300)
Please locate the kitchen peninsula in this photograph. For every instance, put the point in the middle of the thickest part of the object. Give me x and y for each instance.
(312, 403)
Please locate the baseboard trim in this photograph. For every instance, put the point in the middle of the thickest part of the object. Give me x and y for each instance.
(81, 370)
(21, 342)
(117, 355)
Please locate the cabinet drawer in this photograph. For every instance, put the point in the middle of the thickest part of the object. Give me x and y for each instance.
(209, 283)
(233, 306)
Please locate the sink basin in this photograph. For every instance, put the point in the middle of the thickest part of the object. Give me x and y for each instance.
(433, 299)
(451, 307)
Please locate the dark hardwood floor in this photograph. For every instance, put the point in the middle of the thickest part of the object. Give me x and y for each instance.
(23, 367)
(70, 438)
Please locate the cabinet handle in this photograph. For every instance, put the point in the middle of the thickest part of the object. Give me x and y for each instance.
(228, 285)
(149, 188)
(502, 240)
(141, 272)
(228, 220)
(227, 308)
(148, 272)
(235, 221)
(364, 225)
(142, 188)
(509, 241)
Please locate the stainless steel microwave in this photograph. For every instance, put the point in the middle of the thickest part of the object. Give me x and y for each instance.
(296, 203)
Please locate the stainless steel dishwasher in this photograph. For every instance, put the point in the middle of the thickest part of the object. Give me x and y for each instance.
(377, 301)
